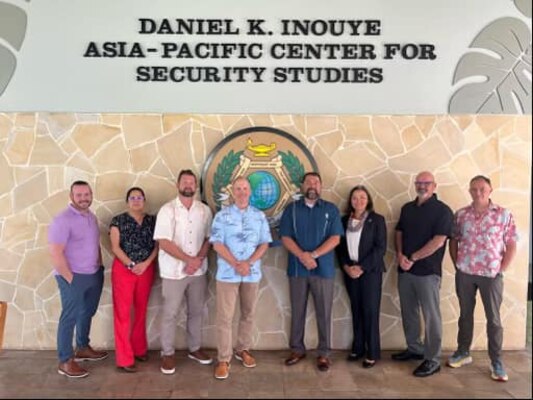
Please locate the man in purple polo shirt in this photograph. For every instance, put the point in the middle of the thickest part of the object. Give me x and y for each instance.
(74, 244)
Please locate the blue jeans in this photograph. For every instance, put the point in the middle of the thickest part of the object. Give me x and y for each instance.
(79, 302)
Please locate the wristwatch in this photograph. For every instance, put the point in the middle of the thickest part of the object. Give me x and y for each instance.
(314, 254)
(131, 265)
(411, 258)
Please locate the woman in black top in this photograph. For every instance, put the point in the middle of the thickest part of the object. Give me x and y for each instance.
(132, 276)
(360, 254)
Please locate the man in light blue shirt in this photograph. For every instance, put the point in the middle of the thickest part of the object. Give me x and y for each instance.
(240, 235)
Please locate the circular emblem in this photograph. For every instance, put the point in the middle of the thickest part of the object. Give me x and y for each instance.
(273, 161)
(265, 190)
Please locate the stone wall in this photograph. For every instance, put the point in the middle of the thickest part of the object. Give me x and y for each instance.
(43, 153)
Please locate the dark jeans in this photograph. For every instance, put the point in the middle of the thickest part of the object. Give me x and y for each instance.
(79, 302)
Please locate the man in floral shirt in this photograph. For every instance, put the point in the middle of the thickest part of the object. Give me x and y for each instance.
(482, 247)
(240, 236)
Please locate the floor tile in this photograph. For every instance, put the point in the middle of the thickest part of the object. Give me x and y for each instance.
(33, 374)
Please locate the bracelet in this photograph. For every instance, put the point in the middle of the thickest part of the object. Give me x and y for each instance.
(314, 254)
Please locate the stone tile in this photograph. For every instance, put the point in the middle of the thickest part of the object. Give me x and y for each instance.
(171, 121)
(111, 119)
(47, 152)
(330, 141)
(25, 120)
(452, 137)
(18, 228)
(432, 153)
(141, 129)
(387, 136)
(112, 157)
(91, 137)
(58, 123)
(7, 179)
(6, 124)
(411, 137)
(19, 146)
(425, 124)
(30, 192)
(487, 156)
(320, 124)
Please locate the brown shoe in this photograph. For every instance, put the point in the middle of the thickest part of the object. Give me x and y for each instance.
(246, 358)
(222, 370)
(168, 365)
(294, 358)
(323, 363)
(72, 369)
(200, 356)
(89, 354)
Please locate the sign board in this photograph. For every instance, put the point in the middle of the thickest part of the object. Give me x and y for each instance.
(236, 56)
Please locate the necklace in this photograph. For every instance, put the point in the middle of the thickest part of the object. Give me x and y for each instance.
(354, 224)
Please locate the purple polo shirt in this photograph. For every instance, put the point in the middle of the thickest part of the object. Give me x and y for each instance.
(81, 237)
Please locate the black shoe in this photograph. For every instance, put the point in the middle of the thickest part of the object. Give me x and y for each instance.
(369, 363)
(354, 357)
(406, 355)
(142, 358)
(128, 368)
(427, 368)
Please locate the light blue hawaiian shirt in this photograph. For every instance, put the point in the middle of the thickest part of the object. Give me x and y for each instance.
(241, 231)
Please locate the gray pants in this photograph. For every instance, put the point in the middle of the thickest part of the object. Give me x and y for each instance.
(491, 291)
(421, 292)
(322, 291)
(194, 289)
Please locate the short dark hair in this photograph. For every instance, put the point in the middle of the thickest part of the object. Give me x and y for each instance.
(79, 183)
(311, 174)
(481, 178)
(187, 172)
(135, 188)
(369, 206)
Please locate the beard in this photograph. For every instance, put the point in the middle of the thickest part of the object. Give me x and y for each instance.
(82, 205)
(187, 192)
(311, 194)
(422, 194)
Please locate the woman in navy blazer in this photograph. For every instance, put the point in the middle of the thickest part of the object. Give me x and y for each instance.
(360, 254)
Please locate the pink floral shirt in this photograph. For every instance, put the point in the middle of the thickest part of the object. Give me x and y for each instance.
(482, 240)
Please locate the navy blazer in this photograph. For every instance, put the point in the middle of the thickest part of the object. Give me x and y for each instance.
(372, 245)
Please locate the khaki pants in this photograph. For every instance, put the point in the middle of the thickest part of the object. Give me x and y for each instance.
(227, 294)
(193, 288)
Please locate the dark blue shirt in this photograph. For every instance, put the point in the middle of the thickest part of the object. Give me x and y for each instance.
(309, 227)
(419, 224)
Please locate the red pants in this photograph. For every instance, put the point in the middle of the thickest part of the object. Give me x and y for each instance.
(130, 290)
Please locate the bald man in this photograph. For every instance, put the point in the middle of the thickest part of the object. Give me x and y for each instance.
(421, 233)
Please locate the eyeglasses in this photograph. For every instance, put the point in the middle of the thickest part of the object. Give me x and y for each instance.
(423, 183)
(133, 198)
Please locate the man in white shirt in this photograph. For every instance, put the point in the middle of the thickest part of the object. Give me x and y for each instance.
(182, 229)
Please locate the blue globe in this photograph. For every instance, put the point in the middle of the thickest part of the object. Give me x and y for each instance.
(265, 190)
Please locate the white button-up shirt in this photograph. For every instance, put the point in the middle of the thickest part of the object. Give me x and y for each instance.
(188, 229)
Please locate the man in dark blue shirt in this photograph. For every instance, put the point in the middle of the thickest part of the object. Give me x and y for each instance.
(310, 229)
(421, 233)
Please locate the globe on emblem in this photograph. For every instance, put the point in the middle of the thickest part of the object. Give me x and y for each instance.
(265, 190)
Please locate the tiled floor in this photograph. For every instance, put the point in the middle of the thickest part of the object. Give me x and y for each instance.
(33, 374)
